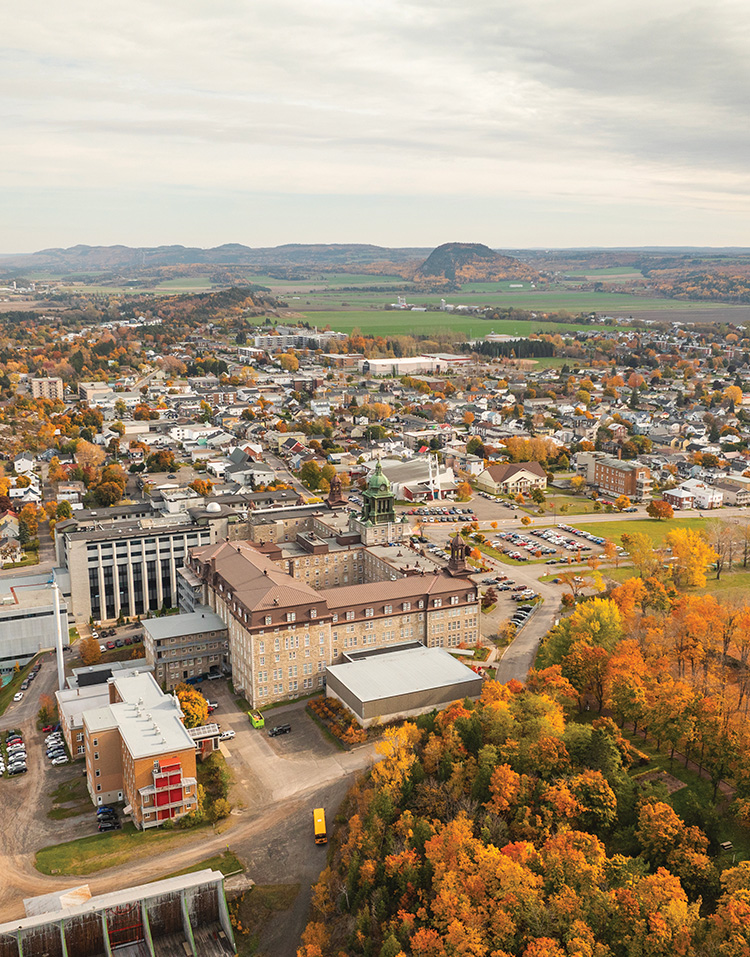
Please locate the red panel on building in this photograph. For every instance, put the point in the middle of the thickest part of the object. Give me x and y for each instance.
(164, 815)
(162, 798)
(161, 782)
(176, 778)
(175, 795)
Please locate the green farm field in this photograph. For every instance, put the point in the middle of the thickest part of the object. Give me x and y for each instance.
(392, 322)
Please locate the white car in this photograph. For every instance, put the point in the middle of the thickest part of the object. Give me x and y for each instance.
(18, 696)
(226, 735)
(61, 760)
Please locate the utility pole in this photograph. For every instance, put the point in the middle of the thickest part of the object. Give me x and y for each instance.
(59, 637)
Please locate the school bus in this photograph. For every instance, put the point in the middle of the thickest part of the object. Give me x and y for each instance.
(319, 824)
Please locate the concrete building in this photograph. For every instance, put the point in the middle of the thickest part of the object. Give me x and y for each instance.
(127, 564)
(616, 477)
(27, 618)
(186, 646)
(137, 750)
(52, 388)
(179, 915)
(400, 682)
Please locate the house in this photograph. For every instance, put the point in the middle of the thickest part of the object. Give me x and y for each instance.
(23, 463)
(512, 478)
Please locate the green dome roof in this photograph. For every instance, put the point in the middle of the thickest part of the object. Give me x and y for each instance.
(377, 480)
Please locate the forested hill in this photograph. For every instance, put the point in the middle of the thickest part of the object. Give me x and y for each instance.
(84, 258)
(466, 262)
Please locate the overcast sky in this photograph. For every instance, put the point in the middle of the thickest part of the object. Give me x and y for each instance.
(398, 122)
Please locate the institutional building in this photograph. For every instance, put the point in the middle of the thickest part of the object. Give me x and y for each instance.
(182, 647)
(512, 478)
(616, 477)
(138, 750)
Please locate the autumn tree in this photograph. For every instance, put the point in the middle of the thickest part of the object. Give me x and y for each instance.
(622, 502)
(194, 705)
(659, 509)
(640, 548)
(691, 555)
(89, 651)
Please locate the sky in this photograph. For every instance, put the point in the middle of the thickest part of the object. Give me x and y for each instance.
(545, 123)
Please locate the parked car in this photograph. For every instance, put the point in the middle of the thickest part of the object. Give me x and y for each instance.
(18, 696)
(110, 645)
(109, 825)
(47, 727)
(17, 769)
(62, 759)
(279, 729)
(105, 809)
(226, 735)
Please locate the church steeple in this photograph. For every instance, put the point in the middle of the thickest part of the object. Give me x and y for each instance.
(459, 551)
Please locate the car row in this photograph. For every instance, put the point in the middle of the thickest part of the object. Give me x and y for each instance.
(467, 512)
(54, 745)
(15, 750)
(30, 676)
(580, 533)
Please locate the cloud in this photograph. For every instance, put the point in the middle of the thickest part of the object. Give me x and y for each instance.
(623, 104)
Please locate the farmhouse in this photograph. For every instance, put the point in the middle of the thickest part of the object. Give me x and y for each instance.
(512, 477)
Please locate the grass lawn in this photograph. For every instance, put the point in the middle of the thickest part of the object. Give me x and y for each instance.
(732, 585)
(254, 909)
(574, 506)
(70, 799)
(228, 863)
(88, 855)
(393, 322)
(650, 526)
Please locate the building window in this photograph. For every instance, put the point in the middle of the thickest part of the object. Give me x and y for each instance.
(98, 787)
(267, 620)
(349, 615)
(369, 612)
(95, 742)
(313, 612)
(388, 609)
(97, 773)
(96, 755)
(291, 616)
(81, 749)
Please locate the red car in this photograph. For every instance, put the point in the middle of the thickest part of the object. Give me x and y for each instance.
(47, 727)
(110, 645)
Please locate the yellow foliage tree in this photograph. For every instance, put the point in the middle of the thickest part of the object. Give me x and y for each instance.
(691, 555)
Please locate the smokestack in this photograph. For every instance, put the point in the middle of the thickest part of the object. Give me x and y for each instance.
(59, 640)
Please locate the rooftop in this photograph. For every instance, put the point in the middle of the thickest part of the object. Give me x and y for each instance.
(177, 626)
(401, 672)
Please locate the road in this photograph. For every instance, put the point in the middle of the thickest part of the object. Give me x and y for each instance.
(277, 783)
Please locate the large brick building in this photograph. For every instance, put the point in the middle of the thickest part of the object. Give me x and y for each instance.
(615, 477)
(283, 633)
(138, 751)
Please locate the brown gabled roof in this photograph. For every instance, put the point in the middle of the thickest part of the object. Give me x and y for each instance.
(506, 470)
(254, 579)
(413, 586)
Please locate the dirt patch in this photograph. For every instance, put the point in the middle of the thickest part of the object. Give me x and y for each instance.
(671, 783)
(255, 912)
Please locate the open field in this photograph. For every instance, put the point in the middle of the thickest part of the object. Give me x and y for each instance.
(733, 586)
(655, 529)
(393, 322)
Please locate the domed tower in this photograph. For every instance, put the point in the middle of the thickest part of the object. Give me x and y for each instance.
(457, 562)
(336, 498)
(378, 499)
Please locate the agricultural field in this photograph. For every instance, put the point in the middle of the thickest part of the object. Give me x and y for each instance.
(392, 322)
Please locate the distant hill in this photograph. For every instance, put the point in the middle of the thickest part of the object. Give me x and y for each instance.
(77, 259)
(471, 262)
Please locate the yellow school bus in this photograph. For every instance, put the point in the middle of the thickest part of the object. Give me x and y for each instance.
(319, 824)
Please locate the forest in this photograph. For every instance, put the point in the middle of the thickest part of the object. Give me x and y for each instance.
(527, 822)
